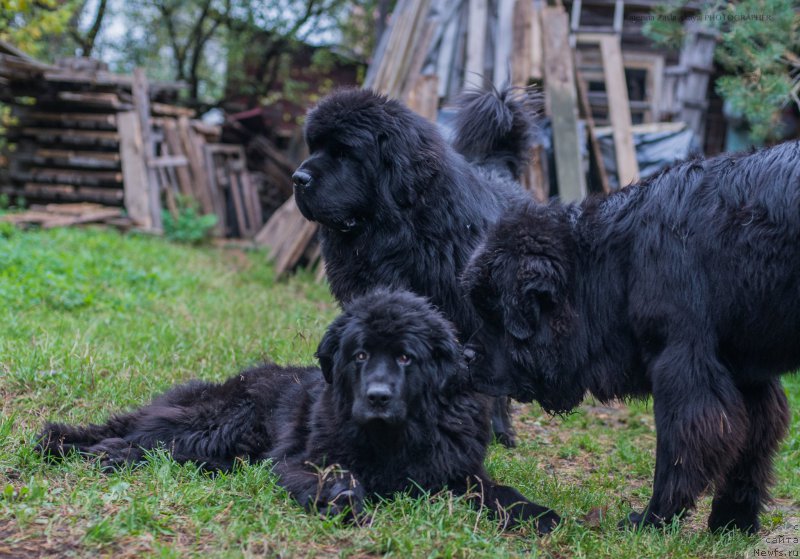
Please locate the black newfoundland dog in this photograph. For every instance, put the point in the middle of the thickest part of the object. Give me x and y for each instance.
(399, 207)
(389, 411)
(686, 287)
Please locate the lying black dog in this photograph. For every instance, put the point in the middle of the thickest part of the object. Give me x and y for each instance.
(686, 287)
(398, 207)
(389, 411)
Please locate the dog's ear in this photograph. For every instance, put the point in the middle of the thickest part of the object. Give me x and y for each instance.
(328, 349)
(451, 368)
(412, 153)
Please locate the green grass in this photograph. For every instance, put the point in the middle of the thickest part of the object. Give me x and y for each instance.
(92, 322)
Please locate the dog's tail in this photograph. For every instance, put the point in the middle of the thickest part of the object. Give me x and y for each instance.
(496, 127)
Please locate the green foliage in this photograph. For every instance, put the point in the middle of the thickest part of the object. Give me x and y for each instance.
(190, 226)
(27, 24)
(757, 50)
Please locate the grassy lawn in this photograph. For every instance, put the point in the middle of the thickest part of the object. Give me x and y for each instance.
(92, 322)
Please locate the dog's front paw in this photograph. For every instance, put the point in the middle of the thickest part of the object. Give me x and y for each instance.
(639, 520)
(344, 495)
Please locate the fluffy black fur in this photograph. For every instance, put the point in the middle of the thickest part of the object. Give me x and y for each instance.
(686, 287)
(399, 207)
(389, 411)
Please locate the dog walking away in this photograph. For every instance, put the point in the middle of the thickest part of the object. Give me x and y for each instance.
(686, 287)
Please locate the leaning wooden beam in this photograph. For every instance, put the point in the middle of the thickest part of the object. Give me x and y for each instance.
(286, 235)
(141, 102)
(618, 110)
(560, 96)
(522, 38)
(476, 42)
(134, 170)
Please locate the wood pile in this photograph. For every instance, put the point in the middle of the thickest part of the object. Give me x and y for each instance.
(83, 134)
(64, 215)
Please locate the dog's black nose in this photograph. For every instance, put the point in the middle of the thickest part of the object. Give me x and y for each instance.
(301, 179)
(379, 395)
(469, 355)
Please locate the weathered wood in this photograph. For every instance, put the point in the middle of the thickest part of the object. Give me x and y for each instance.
(503, 42)
(67, 192)
(537, 47)
(619, 113)
(71, 119)
(286, 234)
(67, 154)
(560, 95)
(168, 161)
(141, 104)
(476, 42)
(95, 99)
(183, 173)
(134, 170)
(697, 59)
(162, 109)
(597, 156)
(73, 214)
(424, 98)
(69, 176)
(66, 134)
(522, 38)
(192, 148)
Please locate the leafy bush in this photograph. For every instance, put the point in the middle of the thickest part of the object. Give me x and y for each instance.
(190, 226)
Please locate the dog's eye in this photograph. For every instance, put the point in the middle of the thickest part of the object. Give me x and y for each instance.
(361, 356)
(403, 359)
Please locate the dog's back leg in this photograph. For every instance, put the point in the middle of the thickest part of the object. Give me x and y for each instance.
(59, 439)
(701, 428)
(740, 497)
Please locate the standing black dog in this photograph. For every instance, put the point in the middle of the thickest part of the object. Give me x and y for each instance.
(390, 411)
(686, 287)
(399, 207)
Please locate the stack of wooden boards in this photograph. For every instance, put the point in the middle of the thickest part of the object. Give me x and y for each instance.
(64, 215)
(80, 133)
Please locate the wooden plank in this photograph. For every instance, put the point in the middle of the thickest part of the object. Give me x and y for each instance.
(69, 192)
(237, 196)
(162, 109)
(619, 113)
(192, 148)
(66, 133)
(67, 154)
(446, 54)
(503, 41)
(560, 95)
(215, 189)
(134, 170)
(421, 47)
(100, 100)
(424, 97)
(537, 45)
(69, 176)
(476, 43)
(522, 38)
(253, 202)
(168, 161)
(597, 156)
(286, 234)
(94, 119)
(173, 141)
(141, 104)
